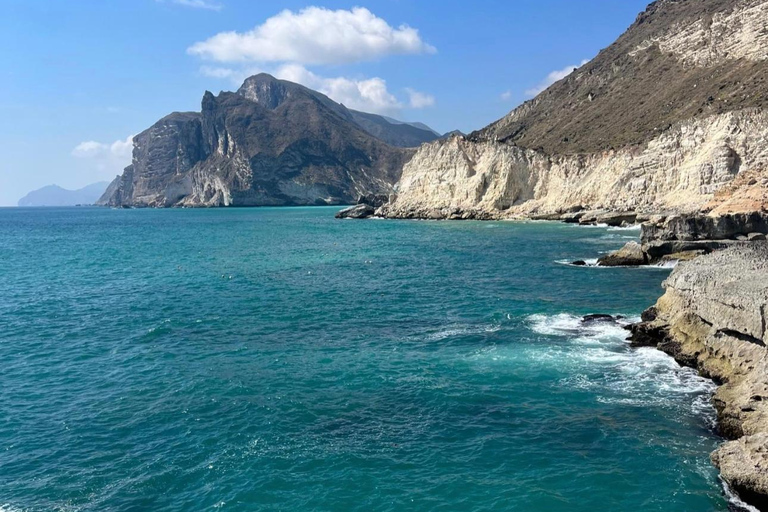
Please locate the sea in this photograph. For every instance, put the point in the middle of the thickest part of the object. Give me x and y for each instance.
(279, 359)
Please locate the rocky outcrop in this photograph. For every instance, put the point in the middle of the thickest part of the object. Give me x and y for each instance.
(677, 171)
(358, 211)
(714, 317)
(366, 207)
(597, 140)
(684, 237)
(271, 143)
(631, 255)
(706, 227)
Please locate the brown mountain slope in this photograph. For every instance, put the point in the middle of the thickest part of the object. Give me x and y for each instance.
(680, 60)
(659, 121)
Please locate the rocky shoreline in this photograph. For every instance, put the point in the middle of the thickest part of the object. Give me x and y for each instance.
(713, 317)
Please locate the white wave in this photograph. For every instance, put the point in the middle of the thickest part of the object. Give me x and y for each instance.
(734, 499)
(605, 363)
(613, 236)
(633, 227)
(591, 262)
(461, 331)
(666, 264)
(601, 225)
(565, 324)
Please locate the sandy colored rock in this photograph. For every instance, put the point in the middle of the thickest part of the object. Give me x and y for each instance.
(631, 255)
(713, 316)
(679, 170)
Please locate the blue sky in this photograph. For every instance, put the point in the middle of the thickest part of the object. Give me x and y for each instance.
(80, 77)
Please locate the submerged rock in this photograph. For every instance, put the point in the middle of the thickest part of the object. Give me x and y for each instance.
(600, 318)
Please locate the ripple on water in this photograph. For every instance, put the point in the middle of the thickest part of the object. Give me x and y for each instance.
(136, 378)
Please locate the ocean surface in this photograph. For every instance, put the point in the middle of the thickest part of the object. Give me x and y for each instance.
(279, 359)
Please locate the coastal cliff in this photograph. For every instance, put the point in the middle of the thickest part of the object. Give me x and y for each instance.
(271, 143)
(713, 317)
(661, 120)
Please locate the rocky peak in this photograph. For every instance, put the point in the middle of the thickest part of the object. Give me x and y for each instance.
(267, 90)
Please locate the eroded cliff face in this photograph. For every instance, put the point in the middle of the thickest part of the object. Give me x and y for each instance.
(679, 170)
(714, 317)
(271, 143)
(661, 120)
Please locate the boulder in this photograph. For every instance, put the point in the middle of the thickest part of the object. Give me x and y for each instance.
(359, 211)
(616, 219)
(647, 334)
(600, 318)
(375, 200)
(631, 255)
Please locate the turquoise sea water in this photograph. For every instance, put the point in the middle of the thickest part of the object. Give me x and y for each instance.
(279, 359)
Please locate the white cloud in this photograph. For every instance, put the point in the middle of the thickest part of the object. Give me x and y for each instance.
(367, 94)
(197, 4)
(506, 95)
(107, 158)
(553, 77)
(89, 148)
(418, 99)
(314, 35)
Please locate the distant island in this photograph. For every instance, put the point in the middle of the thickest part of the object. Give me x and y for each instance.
(54, 195)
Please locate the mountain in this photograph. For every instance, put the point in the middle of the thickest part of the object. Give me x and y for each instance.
(272, 142)
(54, 195)
(391, 131)
(661, 120)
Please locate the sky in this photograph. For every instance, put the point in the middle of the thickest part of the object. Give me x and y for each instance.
(79, 78)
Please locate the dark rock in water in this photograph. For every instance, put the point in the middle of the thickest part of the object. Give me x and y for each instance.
(572, 217)
(359, 211)
(616, 219)
(647, 334)
(579, 263)
(597, 318)
(546, 216)
(375, 200)
(631, 255)
(600, 318)
(650, 314)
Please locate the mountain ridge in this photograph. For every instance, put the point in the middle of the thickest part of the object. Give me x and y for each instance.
(658, 121)
(270, 143)
(54, 195)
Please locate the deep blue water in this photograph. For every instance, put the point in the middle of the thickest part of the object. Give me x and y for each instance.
(279, 359)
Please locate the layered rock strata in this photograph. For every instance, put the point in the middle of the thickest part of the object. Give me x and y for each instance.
(599, 140)
(678, 171)
(271, 143)
(713, 317)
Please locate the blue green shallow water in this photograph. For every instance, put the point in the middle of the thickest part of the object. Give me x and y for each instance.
(279, 359)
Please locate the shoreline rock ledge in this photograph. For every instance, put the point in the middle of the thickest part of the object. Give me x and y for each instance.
(713, 317)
